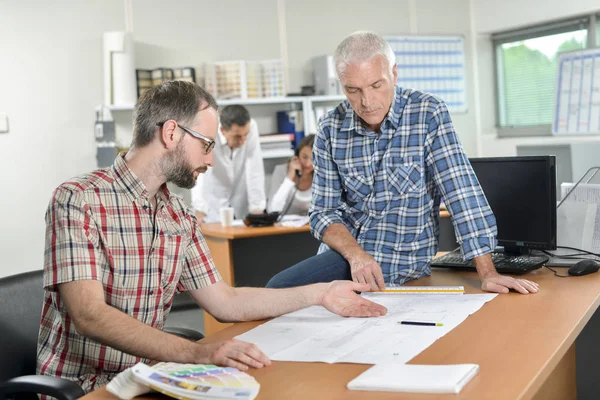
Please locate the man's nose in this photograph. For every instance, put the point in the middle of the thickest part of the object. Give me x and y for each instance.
(365, 99)
(209, 159)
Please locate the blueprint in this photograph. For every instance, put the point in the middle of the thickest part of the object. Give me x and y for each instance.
(314, 334)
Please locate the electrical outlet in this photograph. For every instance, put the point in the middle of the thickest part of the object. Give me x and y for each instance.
(3, 123)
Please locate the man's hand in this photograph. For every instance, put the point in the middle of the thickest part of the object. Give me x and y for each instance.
(341, 298)
(494, 282)
(233, 353)
(365, 269)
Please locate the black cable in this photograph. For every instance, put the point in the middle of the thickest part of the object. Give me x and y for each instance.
(576, 256)
(289, 202)
(581, 250)
(556, 273)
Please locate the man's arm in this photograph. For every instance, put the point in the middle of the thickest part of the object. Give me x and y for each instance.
(94, 319)
(255, 172)
(474, 222)
(363, 267)
(229, 304)
(325, 221)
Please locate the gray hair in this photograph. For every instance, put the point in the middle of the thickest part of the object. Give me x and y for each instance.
(362, 46)
(177, 100)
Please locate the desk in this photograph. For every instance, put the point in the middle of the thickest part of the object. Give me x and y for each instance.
(524, 345)
(251, 256)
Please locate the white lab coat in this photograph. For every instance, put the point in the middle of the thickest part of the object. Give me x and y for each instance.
(236, 180)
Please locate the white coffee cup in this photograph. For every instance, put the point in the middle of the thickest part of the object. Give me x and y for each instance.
(226, 214)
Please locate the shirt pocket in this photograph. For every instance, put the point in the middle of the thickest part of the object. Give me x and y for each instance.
(176, 242)
(357, 183)
(402, 176)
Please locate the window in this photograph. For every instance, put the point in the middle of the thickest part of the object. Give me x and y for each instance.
(526, 69)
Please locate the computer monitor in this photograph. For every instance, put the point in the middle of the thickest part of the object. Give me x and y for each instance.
(522, 194)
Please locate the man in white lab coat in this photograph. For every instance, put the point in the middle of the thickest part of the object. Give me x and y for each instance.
(237, 178)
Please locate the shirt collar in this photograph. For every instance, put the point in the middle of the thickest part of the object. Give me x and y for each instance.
(222, 138)
(131, 184)
(352, 121)
(398, 103)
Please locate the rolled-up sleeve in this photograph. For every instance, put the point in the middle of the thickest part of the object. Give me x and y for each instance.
(473, 219)
(72, 241)
(326, 187)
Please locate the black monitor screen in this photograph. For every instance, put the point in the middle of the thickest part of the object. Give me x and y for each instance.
(522, 194)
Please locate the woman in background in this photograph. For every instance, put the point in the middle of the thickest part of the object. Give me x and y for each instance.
(295, 190)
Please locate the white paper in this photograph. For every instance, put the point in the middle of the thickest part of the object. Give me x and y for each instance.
(294, 220)
(317, 335)
(415, 378)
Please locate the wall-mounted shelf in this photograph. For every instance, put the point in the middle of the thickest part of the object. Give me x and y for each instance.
(284, 153)
(262, 100)
(257, 101)
(307, 104)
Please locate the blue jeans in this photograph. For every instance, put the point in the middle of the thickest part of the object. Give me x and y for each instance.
(325, 267)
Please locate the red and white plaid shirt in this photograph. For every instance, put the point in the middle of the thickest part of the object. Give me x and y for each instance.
(101, 226)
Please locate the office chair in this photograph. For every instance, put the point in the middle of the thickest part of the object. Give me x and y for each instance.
(21, 298)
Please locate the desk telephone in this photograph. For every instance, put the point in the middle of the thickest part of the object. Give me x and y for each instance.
(266, 219)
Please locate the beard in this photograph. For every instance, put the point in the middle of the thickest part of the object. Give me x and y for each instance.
(178, 171)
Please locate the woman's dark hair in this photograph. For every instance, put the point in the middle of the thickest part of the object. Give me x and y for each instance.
(307, 141)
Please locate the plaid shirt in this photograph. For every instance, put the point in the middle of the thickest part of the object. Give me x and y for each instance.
(386, 187)
(101, 226)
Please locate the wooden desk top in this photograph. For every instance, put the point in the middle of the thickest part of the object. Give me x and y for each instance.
(517, 340)
(236, 232)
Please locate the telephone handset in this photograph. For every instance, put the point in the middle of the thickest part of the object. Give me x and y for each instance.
(297, 154)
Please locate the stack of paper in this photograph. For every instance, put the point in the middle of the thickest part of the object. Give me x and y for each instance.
(415, 378)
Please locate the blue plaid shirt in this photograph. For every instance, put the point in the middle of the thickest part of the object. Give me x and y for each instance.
(386, 187)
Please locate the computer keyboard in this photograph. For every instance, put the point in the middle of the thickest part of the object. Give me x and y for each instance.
(504, 263)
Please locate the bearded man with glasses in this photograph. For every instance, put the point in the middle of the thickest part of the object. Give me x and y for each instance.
(119, 245)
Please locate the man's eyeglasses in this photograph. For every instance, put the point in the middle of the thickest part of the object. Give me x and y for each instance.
(209, 144)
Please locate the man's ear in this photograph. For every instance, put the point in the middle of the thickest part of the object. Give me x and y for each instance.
(169, 135)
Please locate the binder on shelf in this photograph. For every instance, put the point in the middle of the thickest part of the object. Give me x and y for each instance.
(147, 78)
(291, 122)
(144, 80)
(184, 74)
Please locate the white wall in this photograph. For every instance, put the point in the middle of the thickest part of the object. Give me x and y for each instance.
(495, 16)
(51, 76)
(50, 81)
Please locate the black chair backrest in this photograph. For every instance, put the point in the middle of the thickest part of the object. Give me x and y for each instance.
(21, 298)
